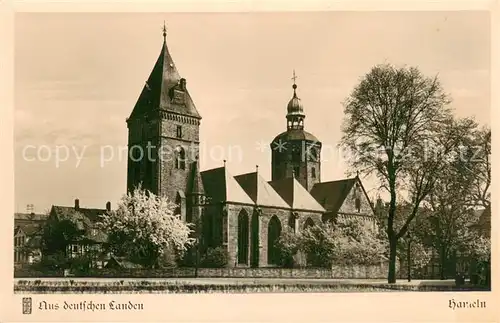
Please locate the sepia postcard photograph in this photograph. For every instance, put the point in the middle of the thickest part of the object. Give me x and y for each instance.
(342, 153)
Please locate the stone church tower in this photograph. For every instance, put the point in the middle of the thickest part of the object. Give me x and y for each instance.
(296, 152)
(163, 137)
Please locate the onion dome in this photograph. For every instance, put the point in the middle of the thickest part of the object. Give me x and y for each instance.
(295, 106)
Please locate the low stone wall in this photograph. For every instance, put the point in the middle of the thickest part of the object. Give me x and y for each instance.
(337, 272)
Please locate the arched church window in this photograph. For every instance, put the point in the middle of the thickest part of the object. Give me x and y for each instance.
(313, 172)
(309, 223)
(180, 158)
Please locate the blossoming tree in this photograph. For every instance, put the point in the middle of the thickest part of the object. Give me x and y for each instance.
(145, 227)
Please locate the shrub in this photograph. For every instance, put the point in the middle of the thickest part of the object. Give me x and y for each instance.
(288, 245)
(55, 261)
(80, 265)
(320, 244)
(214, 258)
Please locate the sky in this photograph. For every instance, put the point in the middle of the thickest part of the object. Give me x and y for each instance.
(78, 76)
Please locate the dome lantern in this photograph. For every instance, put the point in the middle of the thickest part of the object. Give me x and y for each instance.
(295, 110)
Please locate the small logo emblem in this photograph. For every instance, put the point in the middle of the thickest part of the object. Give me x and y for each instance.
(26, 305)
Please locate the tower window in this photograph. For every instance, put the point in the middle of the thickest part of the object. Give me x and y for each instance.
(296, 171)
(180, 158)
(179, 132)
(314, 155)
(313, 172)
(296, 154)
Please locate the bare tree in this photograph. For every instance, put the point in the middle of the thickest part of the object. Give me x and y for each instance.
(389, 116)
(481, 165)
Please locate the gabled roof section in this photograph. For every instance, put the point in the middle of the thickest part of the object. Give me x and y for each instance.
(165, 89)
(295, 195)
(221, 186)
(331, 195)
(31, 229)
(260, 191)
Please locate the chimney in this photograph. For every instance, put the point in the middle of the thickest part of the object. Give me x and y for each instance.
(108, 206)
(77, 204)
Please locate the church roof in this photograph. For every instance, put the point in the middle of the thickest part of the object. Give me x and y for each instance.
(331, 195)
(296, 195)
(295, 134)
(164, 89)
(221, 186)
(260, 191)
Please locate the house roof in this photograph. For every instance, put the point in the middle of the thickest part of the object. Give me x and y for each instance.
(29, 229)
(30, 216)
(295, 195)
(260, 191)
(85, 219)
(221, 186)
(161, 87)
(94, 215)
(331, 195)
(485, 218)
(28, 223)
(123, 263)
(481, 218)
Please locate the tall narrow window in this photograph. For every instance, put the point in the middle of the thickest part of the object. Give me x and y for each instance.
(180, 158)
(179, 132)
(296, 171)
(313, 172)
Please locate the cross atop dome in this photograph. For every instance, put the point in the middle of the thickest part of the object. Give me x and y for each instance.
(294, 86)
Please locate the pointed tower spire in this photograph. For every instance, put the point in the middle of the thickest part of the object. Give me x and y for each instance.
(165, 89)
(164, 32)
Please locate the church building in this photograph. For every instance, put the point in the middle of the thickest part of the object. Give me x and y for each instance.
(245, 213)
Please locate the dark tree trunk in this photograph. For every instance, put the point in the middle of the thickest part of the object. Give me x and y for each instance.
(408, 259)
(442, 265)
(393, 239)
(391, 279)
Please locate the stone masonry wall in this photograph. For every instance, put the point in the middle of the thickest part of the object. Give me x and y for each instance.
(337, 272)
